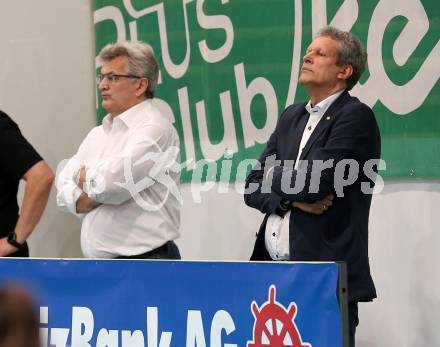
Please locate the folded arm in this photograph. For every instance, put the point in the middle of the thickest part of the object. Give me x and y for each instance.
(351, 142)
(145, 159)
(353, 137)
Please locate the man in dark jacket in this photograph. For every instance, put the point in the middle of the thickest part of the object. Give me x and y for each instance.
(315, 178)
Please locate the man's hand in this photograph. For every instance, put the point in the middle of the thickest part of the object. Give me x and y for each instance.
(84, 204)
(317, 207)
(81, 177)
(6, 248)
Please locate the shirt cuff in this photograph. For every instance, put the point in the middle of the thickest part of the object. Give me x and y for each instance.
(269, 172)
(94, 183)
(71, 205)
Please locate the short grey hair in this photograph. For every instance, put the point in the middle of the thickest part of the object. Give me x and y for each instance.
(350, 52)
(140, 58)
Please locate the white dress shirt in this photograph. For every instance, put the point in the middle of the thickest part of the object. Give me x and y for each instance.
(277, 228)
(132, 169)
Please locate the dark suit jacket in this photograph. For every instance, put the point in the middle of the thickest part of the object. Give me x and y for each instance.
(348, 130)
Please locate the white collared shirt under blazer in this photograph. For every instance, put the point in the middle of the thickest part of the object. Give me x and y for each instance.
(277, 228)
(132, 168)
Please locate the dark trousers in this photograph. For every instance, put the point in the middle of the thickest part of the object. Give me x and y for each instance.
(168, 250)
(353, 321)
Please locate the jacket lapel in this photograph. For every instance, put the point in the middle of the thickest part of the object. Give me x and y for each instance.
(325, 121)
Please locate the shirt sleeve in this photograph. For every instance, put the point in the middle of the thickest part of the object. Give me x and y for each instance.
(146, 159)
(17, 155)
(68, 191)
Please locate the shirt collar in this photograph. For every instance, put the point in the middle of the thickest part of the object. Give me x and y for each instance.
(130, 117)
(321, 107)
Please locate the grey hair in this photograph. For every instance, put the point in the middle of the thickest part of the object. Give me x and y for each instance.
(140, 58)
(350, 52)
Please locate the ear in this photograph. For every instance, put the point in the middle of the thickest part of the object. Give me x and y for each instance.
(142, 88)
(345, 72)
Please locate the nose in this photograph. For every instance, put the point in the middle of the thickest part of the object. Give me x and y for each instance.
(307, 58)
(103, 84)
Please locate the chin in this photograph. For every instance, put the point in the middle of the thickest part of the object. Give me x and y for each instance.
(302, 81)
(105, 105)
(302, 78)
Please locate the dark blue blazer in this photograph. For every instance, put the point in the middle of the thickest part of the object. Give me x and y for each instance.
(348, 130)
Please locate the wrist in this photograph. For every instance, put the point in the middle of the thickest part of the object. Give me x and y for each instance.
(13, 241)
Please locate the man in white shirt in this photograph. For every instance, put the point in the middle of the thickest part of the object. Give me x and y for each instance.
(124, 180)
(300, 184)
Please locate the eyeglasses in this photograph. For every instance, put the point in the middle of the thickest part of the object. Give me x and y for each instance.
(111, 78)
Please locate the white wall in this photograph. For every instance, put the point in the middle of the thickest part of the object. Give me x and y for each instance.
(47, 87)
(405, 258)
(46, 74)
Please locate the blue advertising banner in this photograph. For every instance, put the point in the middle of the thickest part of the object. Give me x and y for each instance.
(86, 303)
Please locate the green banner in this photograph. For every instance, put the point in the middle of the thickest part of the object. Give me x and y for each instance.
(230, 67)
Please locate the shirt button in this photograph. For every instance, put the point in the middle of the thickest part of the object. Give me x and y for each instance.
(273, 234)
(310, 127)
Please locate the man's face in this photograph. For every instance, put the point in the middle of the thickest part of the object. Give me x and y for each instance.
(320, 69)
(118, 96)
